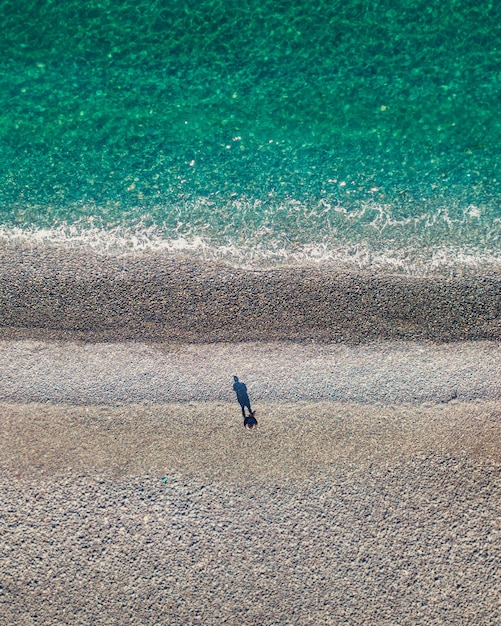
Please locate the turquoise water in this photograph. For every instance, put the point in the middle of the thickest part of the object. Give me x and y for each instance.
(361, 131)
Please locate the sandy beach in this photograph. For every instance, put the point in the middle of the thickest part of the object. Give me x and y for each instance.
(174, 514)
(130, 498)
(131, 493)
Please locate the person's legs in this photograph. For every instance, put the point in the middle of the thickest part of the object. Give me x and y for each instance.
(242, 406)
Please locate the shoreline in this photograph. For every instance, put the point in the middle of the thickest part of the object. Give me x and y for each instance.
(67, 294)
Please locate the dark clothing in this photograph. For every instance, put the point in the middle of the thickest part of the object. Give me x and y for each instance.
(250, 421)
(242, 396)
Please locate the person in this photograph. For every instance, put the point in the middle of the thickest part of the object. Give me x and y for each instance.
(250, 421)
(243, 399)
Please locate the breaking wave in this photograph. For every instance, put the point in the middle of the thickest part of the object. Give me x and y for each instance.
(370, 238)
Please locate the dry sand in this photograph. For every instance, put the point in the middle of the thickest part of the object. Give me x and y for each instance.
(206, 440)
(328, 513)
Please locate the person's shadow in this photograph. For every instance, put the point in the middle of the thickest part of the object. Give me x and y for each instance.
(243, 399)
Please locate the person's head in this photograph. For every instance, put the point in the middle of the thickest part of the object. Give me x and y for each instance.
(250, 421)
(235, 378)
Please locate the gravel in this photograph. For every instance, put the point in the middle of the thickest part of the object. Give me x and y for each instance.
(339, 514)
(389, 372)
(414, 543)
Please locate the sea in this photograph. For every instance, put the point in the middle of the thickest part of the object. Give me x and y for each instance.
(362, 134)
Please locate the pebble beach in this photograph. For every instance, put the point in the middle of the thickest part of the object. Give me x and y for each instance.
(331, 512)
(303, 195)
(131, 493)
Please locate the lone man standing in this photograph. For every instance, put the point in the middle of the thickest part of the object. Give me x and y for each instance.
(242, 396)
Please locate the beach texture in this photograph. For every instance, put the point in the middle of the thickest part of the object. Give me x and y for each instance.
(132, 372)
(72, 294)
(132, 494)
(329, 513)
(303, 194)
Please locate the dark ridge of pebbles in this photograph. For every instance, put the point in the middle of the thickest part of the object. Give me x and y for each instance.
(71, 294)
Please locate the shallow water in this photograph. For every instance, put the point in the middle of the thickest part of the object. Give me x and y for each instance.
(359, 134)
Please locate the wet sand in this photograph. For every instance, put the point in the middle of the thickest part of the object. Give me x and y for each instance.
(70, 294)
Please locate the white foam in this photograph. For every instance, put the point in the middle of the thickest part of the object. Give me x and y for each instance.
(382, 244)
